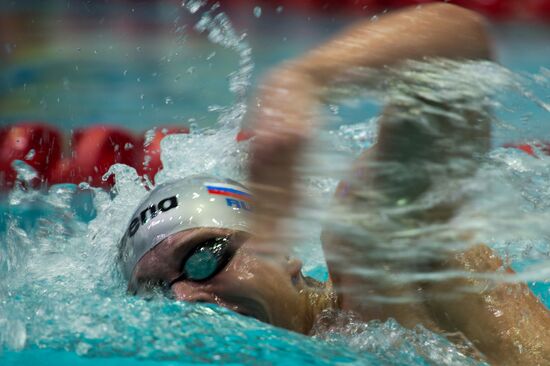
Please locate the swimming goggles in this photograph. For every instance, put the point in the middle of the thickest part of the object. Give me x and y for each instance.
(172, 207)
(206, 260)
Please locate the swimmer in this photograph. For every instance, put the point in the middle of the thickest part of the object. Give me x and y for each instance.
(198, 240)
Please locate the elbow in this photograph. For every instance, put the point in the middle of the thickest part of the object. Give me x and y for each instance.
(473, 25)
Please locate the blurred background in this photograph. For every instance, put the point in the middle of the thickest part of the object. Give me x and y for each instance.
(140, 65)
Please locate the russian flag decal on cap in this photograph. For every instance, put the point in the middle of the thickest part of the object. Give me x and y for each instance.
(228, 190)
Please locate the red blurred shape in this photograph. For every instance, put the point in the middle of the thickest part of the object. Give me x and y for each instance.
(244, 135)
(402, 3)
(543, 147)
(360, 7)
(499, 9)
(539, 9)
(36, 143)
(525, 148)
(95, 149)
(148, 161)
(493, 8)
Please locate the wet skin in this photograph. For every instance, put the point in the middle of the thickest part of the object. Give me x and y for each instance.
(270, 288)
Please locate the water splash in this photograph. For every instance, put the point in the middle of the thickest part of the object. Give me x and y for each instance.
(60, 287)
(391, 343)
(219, 31)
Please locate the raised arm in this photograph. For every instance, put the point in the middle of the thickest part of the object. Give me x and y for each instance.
(508, 329)
(286, 111)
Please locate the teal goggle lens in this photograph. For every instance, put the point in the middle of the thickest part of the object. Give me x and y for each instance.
(206, 260)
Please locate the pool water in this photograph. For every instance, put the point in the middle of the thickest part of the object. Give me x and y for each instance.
(62, 301)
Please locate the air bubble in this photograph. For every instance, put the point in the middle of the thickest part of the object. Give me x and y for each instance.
(257, 11)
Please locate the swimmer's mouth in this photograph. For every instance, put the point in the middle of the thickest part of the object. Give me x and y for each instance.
(258, 316)
(252, 310)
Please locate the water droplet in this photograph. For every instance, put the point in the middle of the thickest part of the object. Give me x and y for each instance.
(257, 11)
(149, 137)
(280, 9)
(334, 109)
(168, 100)
(193, 5)
(214, 108)
(146, 160)
(210, 56)
(30, 155)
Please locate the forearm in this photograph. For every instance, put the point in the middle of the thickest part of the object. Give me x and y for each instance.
(412, 140)
(430, 31)
(505, 321)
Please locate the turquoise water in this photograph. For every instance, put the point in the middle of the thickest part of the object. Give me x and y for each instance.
(62, 300)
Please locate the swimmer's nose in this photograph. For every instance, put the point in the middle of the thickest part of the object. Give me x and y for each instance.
(294, 267)
(189, 292)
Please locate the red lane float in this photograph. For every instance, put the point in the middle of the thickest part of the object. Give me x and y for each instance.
(538, 9)
(365, 5)
(402, 3)
(244, 135)
(148, 162)
(499, 9)
(36, 143)
(532, 148)
(94, 150)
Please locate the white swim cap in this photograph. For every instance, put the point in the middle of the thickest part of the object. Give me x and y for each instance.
(193, 202)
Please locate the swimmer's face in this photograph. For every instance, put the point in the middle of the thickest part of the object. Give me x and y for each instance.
(272, 290)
